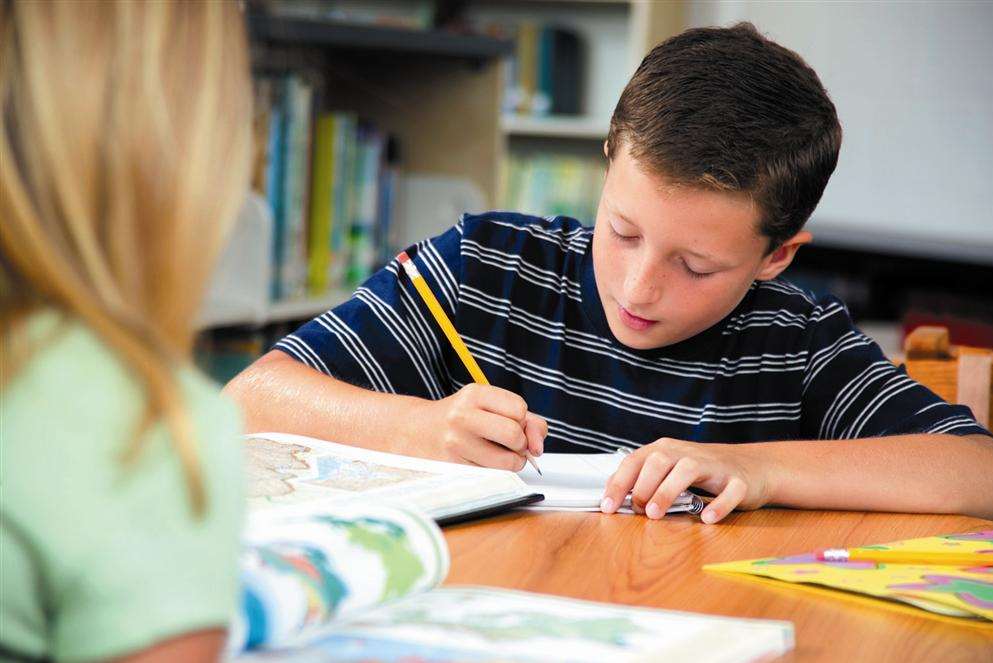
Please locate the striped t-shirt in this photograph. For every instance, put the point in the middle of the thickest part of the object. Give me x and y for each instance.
(783, 365)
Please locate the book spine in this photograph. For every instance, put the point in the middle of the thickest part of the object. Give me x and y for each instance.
(261, 128)
(293, 267)
(342, 206)
(542, 101)
(363, 249)
(387, 184)
(322, 174)
(527, 62)
(275, 185)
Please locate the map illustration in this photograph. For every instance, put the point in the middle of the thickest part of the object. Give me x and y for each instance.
(277, 469)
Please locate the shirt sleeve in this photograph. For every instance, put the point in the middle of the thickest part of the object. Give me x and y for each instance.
(851, 390)
(384, 338)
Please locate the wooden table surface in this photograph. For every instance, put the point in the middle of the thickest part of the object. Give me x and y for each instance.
(632, 560)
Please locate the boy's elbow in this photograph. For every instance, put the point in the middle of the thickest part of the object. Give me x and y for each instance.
(257, 379)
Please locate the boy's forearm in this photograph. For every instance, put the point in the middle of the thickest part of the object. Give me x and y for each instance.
(906, 473)
(279, 394)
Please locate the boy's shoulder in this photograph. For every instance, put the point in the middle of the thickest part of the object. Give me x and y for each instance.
(779, 316)
(784, 294)
(782, 304)
(515, 230)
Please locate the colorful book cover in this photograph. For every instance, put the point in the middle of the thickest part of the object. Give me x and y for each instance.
(303, 567)
(955, 591)
(321, 184)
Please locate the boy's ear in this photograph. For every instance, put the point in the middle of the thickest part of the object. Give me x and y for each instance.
(606, 150)
(774, 263)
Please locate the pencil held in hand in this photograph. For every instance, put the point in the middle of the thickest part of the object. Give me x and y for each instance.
(449, 329)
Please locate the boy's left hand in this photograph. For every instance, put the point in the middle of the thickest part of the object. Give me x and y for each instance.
(658, 472)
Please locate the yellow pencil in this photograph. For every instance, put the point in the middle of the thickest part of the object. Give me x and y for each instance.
(450, 332)
(906, 557)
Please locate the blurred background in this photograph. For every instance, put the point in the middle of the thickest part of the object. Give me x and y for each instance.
(379, 122)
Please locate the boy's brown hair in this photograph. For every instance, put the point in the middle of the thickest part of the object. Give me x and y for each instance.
(728, 109)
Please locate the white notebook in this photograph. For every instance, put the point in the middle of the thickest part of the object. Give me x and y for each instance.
(575, 482)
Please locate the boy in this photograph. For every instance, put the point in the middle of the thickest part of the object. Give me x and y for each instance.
(665, 322)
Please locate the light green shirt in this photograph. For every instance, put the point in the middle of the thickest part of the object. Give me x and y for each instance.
(98, 559)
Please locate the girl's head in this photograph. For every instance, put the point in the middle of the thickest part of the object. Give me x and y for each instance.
(125, 147)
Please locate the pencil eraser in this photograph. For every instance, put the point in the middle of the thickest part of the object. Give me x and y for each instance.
(403, 257)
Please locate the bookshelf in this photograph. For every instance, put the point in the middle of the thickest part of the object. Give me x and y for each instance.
(568, 127)
(615, 36)
(434, 92)
(380, 39)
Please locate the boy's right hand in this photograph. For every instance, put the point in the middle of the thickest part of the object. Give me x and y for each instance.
(481, 425)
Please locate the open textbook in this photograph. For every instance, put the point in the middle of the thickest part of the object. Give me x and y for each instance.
(291, 469)
(359, 583)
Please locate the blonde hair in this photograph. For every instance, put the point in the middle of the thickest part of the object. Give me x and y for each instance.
(125, 151)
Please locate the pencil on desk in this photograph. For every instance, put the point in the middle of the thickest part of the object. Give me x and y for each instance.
(905, 557)
(450, 332)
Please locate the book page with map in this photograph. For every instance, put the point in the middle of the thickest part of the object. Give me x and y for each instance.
(484, 624)
(285, 469)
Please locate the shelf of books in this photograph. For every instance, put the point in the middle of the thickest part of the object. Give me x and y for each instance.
(353, 124)
(324, 184)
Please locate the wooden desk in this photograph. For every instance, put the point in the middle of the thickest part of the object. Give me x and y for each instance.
(629, 559)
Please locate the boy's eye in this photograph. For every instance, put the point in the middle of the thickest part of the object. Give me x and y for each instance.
(620, 236)
(693, 274)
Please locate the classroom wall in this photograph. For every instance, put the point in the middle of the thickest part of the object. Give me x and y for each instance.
(913, 83)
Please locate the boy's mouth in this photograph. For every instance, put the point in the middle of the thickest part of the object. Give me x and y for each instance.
(633, 321)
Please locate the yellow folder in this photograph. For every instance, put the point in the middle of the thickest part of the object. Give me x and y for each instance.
(956, 591)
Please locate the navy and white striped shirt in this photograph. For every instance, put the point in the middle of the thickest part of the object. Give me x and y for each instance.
(521, 291)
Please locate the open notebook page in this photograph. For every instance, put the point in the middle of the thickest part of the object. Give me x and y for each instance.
(575, 482)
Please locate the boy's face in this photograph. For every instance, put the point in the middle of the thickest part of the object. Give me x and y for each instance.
(671, 261)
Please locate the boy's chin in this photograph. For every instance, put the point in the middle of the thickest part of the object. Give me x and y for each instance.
(657, 338)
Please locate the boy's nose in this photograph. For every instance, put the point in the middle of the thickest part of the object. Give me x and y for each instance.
(643, 285)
